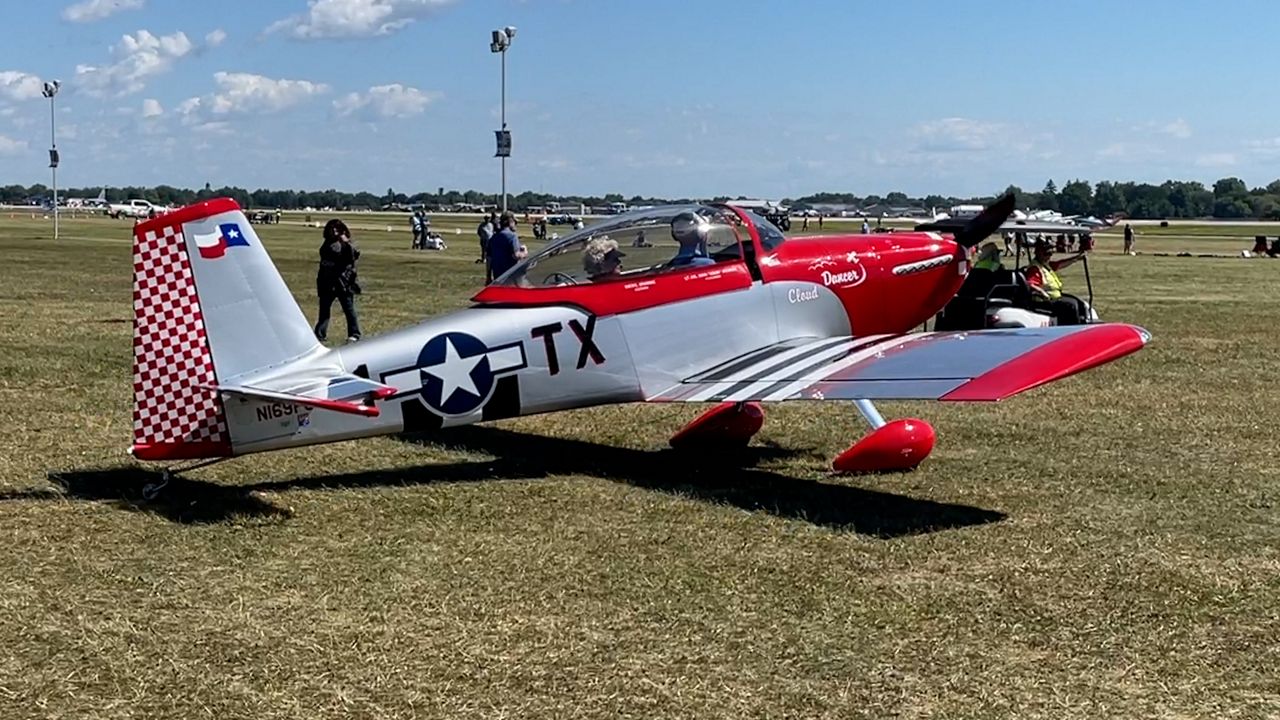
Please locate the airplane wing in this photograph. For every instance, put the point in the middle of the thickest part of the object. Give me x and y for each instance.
(982, 365)
(1047, 227)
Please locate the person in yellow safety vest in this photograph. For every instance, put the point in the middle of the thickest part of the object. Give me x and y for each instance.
(1046, 285)
(988, 258)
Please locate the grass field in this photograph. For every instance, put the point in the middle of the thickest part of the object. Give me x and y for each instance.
(1107, 546)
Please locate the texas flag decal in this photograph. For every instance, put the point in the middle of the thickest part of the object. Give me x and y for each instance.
(214, 245)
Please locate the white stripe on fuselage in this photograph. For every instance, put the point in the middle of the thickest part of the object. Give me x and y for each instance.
(405, 382)
(506, 358)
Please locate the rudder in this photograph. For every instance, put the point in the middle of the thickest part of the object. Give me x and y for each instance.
(209, 306)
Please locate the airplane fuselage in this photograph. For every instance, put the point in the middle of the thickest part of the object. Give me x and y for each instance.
(494, 361)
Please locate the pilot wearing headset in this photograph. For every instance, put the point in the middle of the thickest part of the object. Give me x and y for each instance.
(690, 231)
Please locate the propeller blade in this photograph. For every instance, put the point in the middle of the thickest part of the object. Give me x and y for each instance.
(986, 222)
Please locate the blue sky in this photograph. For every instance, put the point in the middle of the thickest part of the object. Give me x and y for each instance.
(665, 98)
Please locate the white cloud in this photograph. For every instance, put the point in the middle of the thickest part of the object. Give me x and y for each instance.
(215, 38)
(217, 127)
(957, 134)
(9, 146)
(1115, 150)
(355, 18)
(955, 146)
(140, 57)
(242, 93)
(386, 101)
(1178, 128)
(1268, 149)
(151, 108)
(16, 85)
(956, 139)
(91, 10)
(1136, 153)
(1219, 159)
(655, 160)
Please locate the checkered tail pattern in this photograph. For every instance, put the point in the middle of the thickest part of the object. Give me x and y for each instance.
(174, 415)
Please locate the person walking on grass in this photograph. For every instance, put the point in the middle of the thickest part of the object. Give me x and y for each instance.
(336, 279)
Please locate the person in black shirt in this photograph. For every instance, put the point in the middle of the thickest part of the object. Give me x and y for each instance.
(336, 279)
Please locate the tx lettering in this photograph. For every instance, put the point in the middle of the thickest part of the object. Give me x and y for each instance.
(587, 348)
(547, 333)
(588, 345)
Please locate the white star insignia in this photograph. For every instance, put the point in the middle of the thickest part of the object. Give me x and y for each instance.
(454, 372)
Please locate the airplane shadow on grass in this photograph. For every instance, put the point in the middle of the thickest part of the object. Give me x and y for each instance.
(729, 478)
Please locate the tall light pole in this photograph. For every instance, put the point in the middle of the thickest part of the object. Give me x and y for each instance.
(50, 90)
(501, 40)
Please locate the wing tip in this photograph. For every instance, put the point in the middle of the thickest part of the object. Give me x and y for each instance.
(1054, 361)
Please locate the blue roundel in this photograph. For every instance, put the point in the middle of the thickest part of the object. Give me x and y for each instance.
(456, 377)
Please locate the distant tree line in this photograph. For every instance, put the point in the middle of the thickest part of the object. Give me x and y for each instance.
(1228, 198)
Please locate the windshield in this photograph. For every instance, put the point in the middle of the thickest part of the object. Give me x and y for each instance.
(770, 234)
(665, 238)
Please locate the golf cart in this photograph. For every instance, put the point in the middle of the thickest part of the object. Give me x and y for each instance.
(1003, 298)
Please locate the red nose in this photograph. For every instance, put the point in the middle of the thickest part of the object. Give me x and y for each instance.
(887, 282)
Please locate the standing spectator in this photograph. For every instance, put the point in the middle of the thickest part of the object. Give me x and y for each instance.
(487, 227)
(504, 247)
(336, 279)
(1128, 238)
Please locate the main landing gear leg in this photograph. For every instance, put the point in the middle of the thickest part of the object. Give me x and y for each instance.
(730, 424)
(151, 491)
(890, 446)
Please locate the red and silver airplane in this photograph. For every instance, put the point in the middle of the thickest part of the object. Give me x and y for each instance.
(688, 303)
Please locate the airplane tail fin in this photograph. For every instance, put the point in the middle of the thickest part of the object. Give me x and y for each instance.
(209, 306)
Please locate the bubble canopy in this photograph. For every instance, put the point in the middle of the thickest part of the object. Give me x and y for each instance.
(649, 241)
